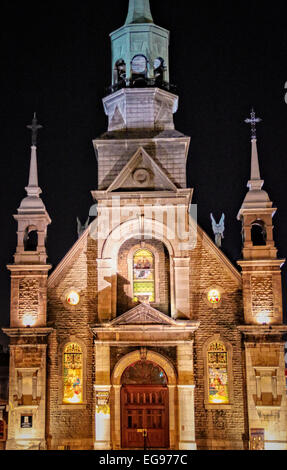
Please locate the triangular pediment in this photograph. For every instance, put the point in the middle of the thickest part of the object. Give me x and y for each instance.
(142, 173)
(143, 314)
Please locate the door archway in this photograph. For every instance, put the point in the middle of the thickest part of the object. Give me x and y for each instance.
(144, 406)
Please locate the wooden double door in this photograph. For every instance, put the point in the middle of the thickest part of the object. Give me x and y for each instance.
(145, 416)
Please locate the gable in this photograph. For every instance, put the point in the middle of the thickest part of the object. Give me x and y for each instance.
(142, 173)
(143, 314)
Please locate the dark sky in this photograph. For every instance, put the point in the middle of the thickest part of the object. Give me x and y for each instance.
(225, 57)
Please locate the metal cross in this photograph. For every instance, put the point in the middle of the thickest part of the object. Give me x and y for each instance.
(34, 128)
(253, 121)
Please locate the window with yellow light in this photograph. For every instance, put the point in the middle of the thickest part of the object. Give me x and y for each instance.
(73, 374)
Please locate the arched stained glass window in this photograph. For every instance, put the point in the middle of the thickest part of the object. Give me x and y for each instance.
(73, 374)
(143, 275)
(217, 373)
(144, 373)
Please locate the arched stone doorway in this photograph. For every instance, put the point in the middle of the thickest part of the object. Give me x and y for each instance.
(166, 391)
(144, 406)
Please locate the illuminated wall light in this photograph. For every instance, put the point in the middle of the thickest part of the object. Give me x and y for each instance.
(214, 296)
(73, 298)
(263, 317)
(29, 320)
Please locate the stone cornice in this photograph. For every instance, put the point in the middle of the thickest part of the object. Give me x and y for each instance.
(29, 267)
(264, 263)
(137, 194)
(262, 330)
(17, 332)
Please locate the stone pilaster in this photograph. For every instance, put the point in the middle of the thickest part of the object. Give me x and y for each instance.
(185, 387)
(102, 389)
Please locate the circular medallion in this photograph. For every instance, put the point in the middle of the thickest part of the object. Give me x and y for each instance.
(141, 176)
(214, 296)
(73, 298)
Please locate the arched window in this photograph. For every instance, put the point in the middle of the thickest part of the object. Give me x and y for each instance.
(144, 373)
(258, 233)
(73, 374)
(218, 387)
(30, 239)
(120, 71)
(139, 70)
(159, 68)
(143, 276)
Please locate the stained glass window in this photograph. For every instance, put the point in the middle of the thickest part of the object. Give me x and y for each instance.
(73, 374)
(144, 373)
(217, 373)
(214, 296)
(143, 275)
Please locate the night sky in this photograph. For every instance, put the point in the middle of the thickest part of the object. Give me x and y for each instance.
(225, 57)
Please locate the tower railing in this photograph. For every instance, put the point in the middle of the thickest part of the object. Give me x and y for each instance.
(141, 82)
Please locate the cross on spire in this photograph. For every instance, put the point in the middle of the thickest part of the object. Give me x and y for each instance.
(34, 127)
(253, 121)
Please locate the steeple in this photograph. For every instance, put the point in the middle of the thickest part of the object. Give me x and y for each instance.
(256, 211)
(261, 275)
(139, 12)
(32, 216)
(256, 197)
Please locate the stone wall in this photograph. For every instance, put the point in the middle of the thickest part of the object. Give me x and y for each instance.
(217, 427)
(72, 425)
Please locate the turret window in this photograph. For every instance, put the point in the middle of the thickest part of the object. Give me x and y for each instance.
(139, 69)
(30, 239)
(120, 71)
(159, 68)
(258, 233)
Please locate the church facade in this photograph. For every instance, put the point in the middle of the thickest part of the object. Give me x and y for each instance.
(146, 335)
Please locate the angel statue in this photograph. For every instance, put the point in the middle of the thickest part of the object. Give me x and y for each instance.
(81, 228)
(218, 229)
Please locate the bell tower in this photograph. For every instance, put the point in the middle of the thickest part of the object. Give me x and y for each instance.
(259, 251)
(139, 49)
(28, 323)
(263, 328)
(141, 185)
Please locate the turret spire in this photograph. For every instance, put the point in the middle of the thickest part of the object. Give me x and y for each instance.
(255, 182)
(139, 12)
(33, 188)
(32, 216)
(255, 197)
